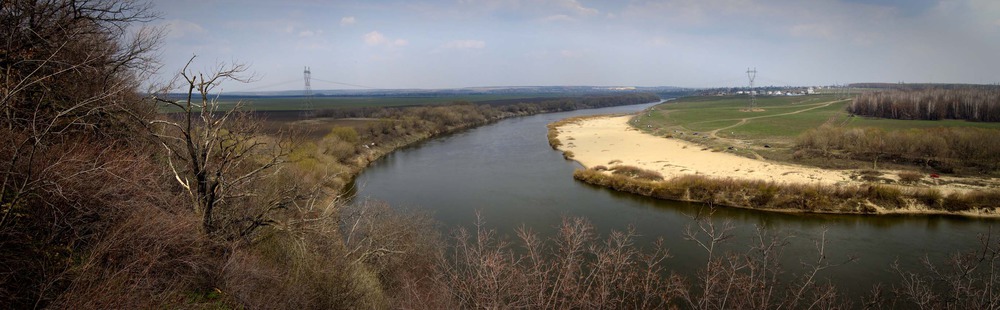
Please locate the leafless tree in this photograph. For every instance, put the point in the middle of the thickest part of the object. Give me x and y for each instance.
(217, 154)
(755, 279)
(966, 280)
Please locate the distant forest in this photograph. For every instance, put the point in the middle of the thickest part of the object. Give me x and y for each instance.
(971, 102)
(517, 106)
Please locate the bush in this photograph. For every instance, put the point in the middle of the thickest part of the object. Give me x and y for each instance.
(637, 173)
(346, 134)
(910, 177)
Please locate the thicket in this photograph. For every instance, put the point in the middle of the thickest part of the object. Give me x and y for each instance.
(767, 195)
(973, 103)
(975, 150)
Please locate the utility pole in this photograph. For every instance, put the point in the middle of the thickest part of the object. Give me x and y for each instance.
(309, 109)
(753, 95)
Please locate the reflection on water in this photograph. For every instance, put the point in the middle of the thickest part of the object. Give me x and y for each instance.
(508, 172)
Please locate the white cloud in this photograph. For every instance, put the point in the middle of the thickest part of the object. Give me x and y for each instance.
(178, 28)
(577, 8)
(376, 38)
(533, 8)
(465, 44)
(307, 33)
(348, 20)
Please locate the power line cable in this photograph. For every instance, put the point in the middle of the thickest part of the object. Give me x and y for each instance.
(345, 84)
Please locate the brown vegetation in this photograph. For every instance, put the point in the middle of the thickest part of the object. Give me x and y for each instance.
(976, 150)
(577, 269)
(635, 172)
(974, 103)
(764, 195)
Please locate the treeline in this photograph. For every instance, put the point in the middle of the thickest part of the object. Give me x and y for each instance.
(917, 86)
(974, 150)
(973, 103)
(519, 107)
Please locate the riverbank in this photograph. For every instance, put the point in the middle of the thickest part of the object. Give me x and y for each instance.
(397, 128)
(603, 142)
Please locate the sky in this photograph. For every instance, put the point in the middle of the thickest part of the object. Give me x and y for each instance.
(430, 44)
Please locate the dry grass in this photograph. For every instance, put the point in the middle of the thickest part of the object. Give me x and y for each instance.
(764, 195)
(910, 177)
(636, 173)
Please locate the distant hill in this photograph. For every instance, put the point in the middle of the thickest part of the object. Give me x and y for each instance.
(508, 90)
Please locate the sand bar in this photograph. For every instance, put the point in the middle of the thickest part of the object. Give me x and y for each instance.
(601, 140)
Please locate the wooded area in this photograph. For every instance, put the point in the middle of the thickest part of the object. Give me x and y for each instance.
(973, 103)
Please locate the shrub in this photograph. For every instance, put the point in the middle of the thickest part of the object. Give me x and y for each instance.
(637, 173)
(346, 134)
(910, 177)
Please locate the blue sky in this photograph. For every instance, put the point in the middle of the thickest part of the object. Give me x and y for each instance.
(689, 43)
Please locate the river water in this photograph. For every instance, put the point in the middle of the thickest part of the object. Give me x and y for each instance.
(507, 172)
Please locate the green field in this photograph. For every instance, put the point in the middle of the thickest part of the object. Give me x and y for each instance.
(322, 103)
(721, 122)
(782, 118)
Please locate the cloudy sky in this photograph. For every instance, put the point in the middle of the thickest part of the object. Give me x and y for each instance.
(689, 43)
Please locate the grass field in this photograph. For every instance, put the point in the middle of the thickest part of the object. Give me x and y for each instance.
(722, 124)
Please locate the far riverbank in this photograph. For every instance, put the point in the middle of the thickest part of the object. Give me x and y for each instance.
(605, 142)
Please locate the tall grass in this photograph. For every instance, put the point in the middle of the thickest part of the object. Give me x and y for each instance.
(767, 195)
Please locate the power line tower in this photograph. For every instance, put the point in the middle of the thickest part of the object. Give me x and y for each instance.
(753, 95)
(309, 109)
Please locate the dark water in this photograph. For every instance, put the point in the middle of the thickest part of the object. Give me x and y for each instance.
(508, 173)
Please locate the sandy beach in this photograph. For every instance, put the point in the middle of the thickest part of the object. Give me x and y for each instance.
(601, 140)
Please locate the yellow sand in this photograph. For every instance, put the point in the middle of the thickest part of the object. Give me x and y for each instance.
(601, 140)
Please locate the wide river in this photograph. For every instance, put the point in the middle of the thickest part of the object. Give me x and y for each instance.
(507, 172)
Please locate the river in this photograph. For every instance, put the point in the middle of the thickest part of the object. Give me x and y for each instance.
(507, 172)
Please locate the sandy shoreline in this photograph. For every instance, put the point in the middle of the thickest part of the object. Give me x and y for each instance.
(601, 140)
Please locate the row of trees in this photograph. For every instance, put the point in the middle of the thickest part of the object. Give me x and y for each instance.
(942, 148)
(518, 107)
(974, 103)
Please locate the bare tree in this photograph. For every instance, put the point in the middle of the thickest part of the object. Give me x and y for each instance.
(217, 153)
(967, 280)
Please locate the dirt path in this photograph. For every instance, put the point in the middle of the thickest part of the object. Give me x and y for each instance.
(747, 119)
